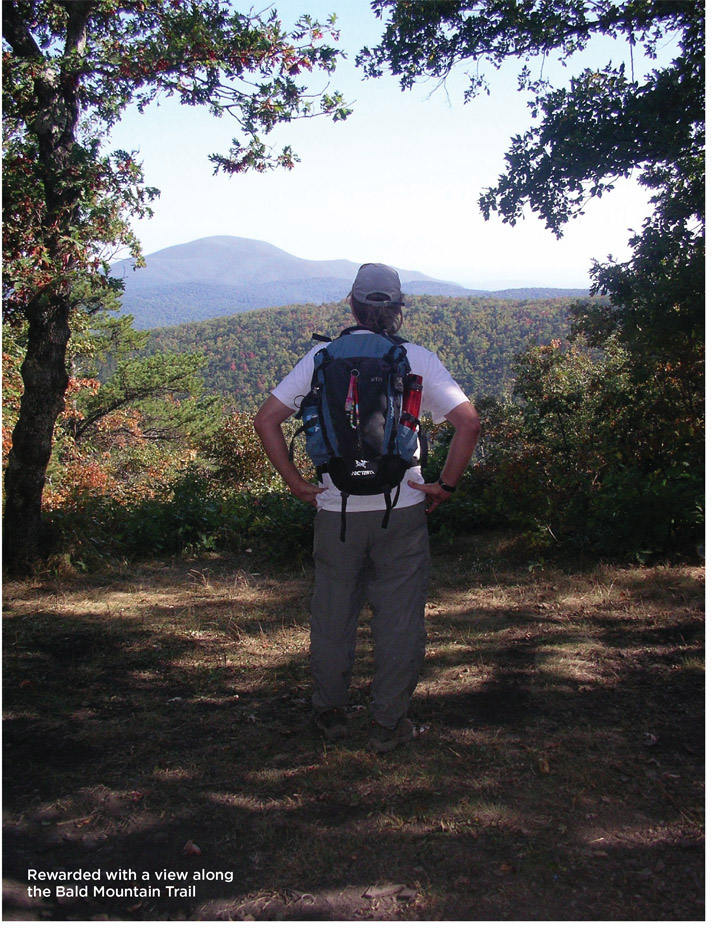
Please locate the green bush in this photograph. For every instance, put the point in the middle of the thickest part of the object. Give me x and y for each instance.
(587, 457)
(195, 515)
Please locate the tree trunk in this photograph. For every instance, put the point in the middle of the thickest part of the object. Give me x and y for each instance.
(45, 377)
(52, 116)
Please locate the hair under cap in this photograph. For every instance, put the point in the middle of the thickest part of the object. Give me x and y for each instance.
(375, 284)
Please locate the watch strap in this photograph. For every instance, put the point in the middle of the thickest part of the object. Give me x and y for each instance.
(450, 488)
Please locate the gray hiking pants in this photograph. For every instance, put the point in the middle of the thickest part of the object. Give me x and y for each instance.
(388, 567)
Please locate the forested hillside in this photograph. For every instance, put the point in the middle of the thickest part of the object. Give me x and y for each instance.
(477, 338)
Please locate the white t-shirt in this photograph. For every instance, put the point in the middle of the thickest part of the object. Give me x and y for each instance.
(440, 395)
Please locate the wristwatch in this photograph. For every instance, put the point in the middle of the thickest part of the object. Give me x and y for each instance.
(450, 488)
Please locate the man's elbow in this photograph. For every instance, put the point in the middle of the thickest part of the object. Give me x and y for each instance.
(475, 427)
(466, 422)
(270, 416)
(258, 421)
(470, 432)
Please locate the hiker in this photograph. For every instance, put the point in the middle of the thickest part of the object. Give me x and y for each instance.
(372, 546)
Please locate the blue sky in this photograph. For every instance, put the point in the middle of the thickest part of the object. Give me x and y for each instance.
(398, 182)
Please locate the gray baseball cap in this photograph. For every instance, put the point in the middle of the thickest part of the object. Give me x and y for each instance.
(374, 279)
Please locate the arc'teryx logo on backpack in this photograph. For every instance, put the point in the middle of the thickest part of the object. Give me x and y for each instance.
(361, 469)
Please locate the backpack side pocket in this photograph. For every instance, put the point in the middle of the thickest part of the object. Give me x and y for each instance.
(407, 441)
(315, 441)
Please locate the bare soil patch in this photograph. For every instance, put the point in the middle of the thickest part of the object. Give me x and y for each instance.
(557, 772)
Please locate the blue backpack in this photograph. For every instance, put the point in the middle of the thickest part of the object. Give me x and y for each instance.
(353, 417)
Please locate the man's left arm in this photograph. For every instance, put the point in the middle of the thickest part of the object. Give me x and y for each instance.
(467, 428)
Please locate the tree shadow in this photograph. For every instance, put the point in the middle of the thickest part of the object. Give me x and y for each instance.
(125, 738)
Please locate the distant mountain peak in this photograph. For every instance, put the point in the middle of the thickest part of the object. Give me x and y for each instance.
(223, 275)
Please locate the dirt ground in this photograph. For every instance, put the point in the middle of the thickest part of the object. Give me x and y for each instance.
(156, 721)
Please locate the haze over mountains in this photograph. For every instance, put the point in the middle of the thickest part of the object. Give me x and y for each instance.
(223, 275)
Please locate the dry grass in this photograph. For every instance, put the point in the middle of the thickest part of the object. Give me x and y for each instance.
(557, 773)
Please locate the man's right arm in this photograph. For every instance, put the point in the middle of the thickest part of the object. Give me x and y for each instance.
(268, 423)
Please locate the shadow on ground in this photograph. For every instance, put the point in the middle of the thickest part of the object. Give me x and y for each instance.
(557, 772)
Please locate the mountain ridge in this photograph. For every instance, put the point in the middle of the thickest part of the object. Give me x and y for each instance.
(223, 275)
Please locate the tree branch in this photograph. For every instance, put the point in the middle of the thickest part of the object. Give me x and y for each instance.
(79, 12)
(16, 33)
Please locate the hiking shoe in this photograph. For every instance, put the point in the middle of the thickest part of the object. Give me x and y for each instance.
(332, 723)
(383, 739)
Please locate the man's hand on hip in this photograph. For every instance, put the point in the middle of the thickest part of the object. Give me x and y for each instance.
(306, 491)
(434, 493)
